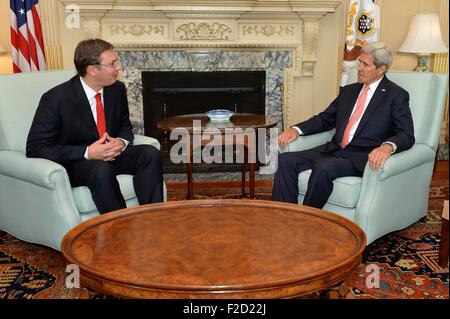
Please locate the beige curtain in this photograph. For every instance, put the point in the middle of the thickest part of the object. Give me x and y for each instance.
(52, 36)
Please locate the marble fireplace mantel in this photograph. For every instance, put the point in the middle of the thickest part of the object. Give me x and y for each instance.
(148, 24)
(194, 25)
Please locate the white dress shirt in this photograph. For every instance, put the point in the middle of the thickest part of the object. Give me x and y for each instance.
(372, 88)
(90, 94)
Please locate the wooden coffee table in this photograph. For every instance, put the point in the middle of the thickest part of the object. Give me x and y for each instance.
(214, 249)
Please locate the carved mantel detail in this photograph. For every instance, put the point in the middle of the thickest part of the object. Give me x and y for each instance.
(136, 29)
(268, 30)
(310, 37)
(92, 28)
(203, 31)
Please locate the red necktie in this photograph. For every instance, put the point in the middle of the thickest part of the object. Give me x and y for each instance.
(101, 125)
(355, 117)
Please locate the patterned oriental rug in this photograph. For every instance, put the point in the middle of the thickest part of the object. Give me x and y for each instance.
(407, 259)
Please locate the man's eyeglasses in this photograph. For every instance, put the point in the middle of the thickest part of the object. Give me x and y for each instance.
(111, 65)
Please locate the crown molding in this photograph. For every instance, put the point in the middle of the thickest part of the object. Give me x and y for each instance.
(233, 8)
(187, 46)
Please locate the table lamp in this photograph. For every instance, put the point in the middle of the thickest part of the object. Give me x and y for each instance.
(424, 38)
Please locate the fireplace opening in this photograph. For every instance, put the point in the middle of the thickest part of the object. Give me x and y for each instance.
(172, 93)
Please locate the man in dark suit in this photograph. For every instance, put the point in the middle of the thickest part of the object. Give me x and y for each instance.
(83, 124)
(372, 120)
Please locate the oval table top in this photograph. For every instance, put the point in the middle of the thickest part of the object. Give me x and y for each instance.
(238, 120)
(214, 249)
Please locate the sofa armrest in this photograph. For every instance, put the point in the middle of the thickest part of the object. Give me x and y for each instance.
(38, 171)
(308, 141)
(142, 139)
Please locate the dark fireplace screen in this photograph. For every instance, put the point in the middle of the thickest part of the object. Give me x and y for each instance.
(174, 93)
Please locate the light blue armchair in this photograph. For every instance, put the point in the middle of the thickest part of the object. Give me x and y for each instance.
(397, 195)
(37, 202)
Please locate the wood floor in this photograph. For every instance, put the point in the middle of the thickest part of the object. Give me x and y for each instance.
(440, 170)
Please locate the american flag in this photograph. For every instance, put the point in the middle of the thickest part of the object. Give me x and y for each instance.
(26, 36)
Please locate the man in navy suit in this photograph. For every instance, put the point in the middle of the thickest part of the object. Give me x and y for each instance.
(372, 121)
(83, 124)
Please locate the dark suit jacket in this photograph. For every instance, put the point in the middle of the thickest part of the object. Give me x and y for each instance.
(386, 118)
(64, 126)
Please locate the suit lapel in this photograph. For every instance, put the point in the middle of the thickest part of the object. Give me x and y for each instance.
(84, 107)
(376, 100)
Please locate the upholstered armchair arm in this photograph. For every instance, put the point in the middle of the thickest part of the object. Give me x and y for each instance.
(404, 161)
(142, 139)
(38, 171)
(397, 194)
(36, 201)
(309, 141)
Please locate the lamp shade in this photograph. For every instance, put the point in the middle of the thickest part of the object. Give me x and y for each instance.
(424, 35)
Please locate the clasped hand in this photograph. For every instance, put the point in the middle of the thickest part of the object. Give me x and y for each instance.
(107, 148)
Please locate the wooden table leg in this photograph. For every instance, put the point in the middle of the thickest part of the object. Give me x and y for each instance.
(243, 179)
(190, 185)
(244, 171)
(247, 150)
(340, 291)
(443, 246)
(252, 180)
